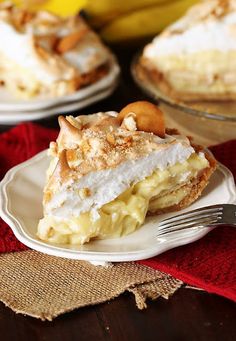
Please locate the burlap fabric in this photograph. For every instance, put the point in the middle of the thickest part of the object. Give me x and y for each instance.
(44, 286)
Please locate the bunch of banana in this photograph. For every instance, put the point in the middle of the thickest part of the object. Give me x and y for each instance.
(117, 20)
(130, 20)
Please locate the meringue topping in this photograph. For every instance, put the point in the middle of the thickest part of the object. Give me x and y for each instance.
(208, 25)
(98, 154)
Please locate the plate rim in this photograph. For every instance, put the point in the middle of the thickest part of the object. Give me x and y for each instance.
(16, 117)
(54, 250)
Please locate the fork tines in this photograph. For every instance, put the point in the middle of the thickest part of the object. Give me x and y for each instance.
(205, 216)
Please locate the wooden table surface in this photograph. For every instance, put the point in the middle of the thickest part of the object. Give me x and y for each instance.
(189, 315)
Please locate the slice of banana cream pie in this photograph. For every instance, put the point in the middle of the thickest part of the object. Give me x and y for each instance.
(195, 58)
(109, 170)
(43, 54)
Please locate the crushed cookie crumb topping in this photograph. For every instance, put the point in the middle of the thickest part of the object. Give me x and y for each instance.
(100, 143)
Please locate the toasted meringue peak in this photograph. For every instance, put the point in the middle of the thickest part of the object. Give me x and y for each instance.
(69, 136)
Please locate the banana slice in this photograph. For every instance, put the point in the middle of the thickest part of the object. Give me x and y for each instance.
(147, 116)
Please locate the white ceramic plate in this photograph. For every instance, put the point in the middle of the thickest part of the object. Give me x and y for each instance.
(21, 208)
(9, 103)
(20, 116)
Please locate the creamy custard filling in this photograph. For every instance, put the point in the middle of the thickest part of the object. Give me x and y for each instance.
(127, 212)
(197, 68)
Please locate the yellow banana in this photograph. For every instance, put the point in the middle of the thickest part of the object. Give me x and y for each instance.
(144, 22)
(60, 7)
(102, 11)
(64, 8)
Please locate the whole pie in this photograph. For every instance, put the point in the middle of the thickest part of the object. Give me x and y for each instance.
(43, 54)
(195, 58)
(109, 170)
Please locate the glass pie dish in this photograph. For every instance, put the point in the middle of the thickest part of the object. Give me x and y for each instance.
(209, 122)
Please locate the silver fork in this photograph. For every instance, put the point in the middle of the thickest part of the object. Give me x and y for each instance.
(215, 215)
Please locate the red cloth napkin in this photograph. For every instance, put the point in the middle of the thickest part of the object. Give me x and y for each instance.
(209, 263)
